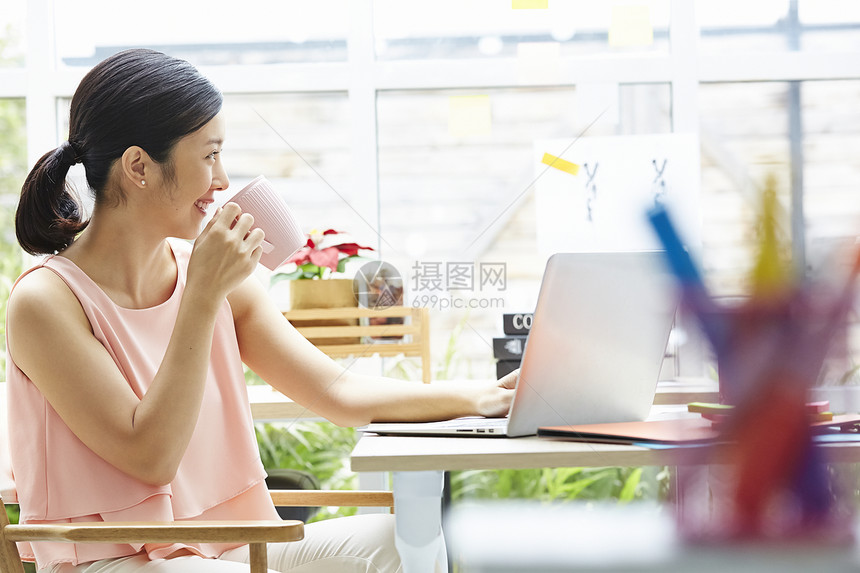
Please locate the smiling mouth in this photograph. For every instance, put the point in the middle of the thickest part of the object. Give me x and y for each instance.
(202, 205)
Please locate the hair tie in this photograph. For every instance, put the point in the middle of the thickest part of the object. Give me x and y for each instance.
(70, 154)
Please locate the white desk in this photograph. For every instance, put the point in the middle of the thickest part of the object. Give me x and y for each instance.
(417, 464)
(407, 454)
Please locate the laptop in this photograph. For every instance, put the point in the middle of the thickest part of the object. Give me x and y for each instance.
(594, 351)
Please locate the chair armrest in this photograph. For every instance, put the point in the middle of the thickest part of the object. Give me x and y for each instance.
(344, 498)
(160, 532)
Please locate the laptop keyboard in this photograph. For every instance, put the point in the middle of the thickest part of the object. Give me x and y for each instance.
(474, 423)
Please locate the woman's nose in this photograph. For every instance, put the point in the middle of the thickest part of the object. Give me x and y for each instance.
(220, 181)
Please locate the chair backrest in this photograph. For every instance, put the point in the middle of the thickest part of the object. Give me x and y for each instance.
(389, 332)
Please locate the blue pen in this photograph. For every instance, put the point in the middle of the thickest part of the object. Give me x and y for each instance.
(688, 275)
(679, 259)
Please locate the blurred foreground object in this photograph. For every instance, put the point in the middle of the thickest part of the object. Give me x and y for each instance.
(770, 350)
(641, 538)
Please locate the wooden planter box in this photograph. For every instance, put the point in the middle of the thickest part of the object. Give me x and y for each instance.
(326, 293)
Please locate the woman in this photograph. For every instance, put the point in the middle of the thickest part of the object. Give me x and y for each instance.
(140, 412)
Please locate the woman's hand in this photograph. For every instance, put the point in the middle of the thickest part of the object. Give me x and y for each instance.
(226, 252)
(496, 400)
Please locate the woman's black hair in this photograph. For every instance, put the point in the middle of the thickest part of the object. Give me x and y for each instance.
(136, 97)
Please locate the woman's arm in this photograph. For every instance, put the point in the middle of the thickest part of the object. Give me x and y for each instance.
(272, 348)
(51, 341)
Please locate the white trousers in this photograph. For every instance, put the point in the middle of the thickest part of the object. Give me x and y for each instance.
(359, 544)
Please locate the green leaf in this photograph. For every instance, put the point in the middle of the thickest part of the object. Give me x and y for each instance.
(628, 492)
(573, 490)
(341, 264)
(284, 276)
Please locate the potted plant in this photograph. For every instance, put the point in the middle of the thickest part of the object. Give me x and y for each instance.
(324, 253)
(310, 271)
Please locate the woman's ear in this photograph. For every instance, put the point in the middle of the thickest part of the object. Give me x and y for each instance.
(135, 165)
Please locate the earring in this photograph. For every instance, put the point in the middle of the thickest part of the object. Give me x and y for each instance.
(142, 182)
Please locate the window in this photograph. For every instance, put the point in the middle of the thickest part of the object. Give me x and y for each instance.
(736, 26)
(13, 168)
(12, 35)
(831, 136)
(449, 29)
(744, 138)
(13, 143)
(301, 143)
(240, 33)
(829, 25)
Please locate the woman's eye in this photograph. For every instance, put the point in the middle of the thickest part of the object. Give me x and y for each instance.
(213, 154)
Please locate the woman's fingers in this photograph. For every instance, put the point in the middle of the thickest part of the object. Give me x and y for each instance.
(231, 216)
(211, 222)
(227, 250)
(255, 241)
(509, 381)
(255, 237)
(227, 214)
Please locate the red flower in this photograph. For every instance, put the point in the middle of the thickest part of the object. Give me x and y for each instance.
(326, 250)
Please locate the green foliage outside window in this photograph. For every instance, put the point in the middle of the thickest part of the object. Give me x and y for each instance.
(563, 484)
(10, 47)
(13, 161)
(11, 266)
(320, 448)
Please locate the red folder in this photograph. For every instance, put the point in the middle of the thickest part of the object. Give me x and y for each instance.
(680, 431)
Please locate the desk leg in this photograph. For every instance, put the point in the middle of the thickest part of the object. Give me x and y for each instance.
(418, 521)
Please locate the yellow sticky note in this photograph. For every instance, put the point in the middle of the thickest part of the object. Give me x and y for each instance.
(529, 4)
(560, 164)
(630, 27)
(469, 115)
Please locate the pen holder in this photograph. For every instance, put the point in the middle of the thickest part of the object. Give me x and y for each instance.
(766, 479)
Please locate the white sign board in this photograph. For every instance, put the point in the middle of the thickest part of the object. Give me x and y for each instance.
(603, 207)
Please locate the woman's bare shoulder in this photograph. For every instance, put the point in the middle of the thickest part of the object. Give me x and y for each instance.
(41, 299)
(40, 285)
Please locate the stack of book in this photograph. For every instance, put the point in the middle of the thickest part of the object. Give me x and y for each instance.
(508, 349)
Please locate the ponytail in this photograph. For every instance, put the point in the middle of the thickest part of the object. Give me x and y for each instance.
(49, 215)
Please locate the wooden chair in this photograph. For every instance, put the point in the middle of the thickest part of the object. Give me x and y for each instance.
(255, 533)
(417, 328)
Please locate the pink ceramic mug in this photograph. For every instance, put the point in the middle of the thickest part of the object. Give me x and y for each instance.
(271, 214)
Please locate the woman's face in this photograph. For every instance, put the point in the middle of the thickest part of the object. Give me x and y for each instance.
(197, 174)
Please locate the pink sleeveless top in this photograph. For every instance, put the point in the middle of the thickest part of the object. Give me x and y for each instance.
(60, 480)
